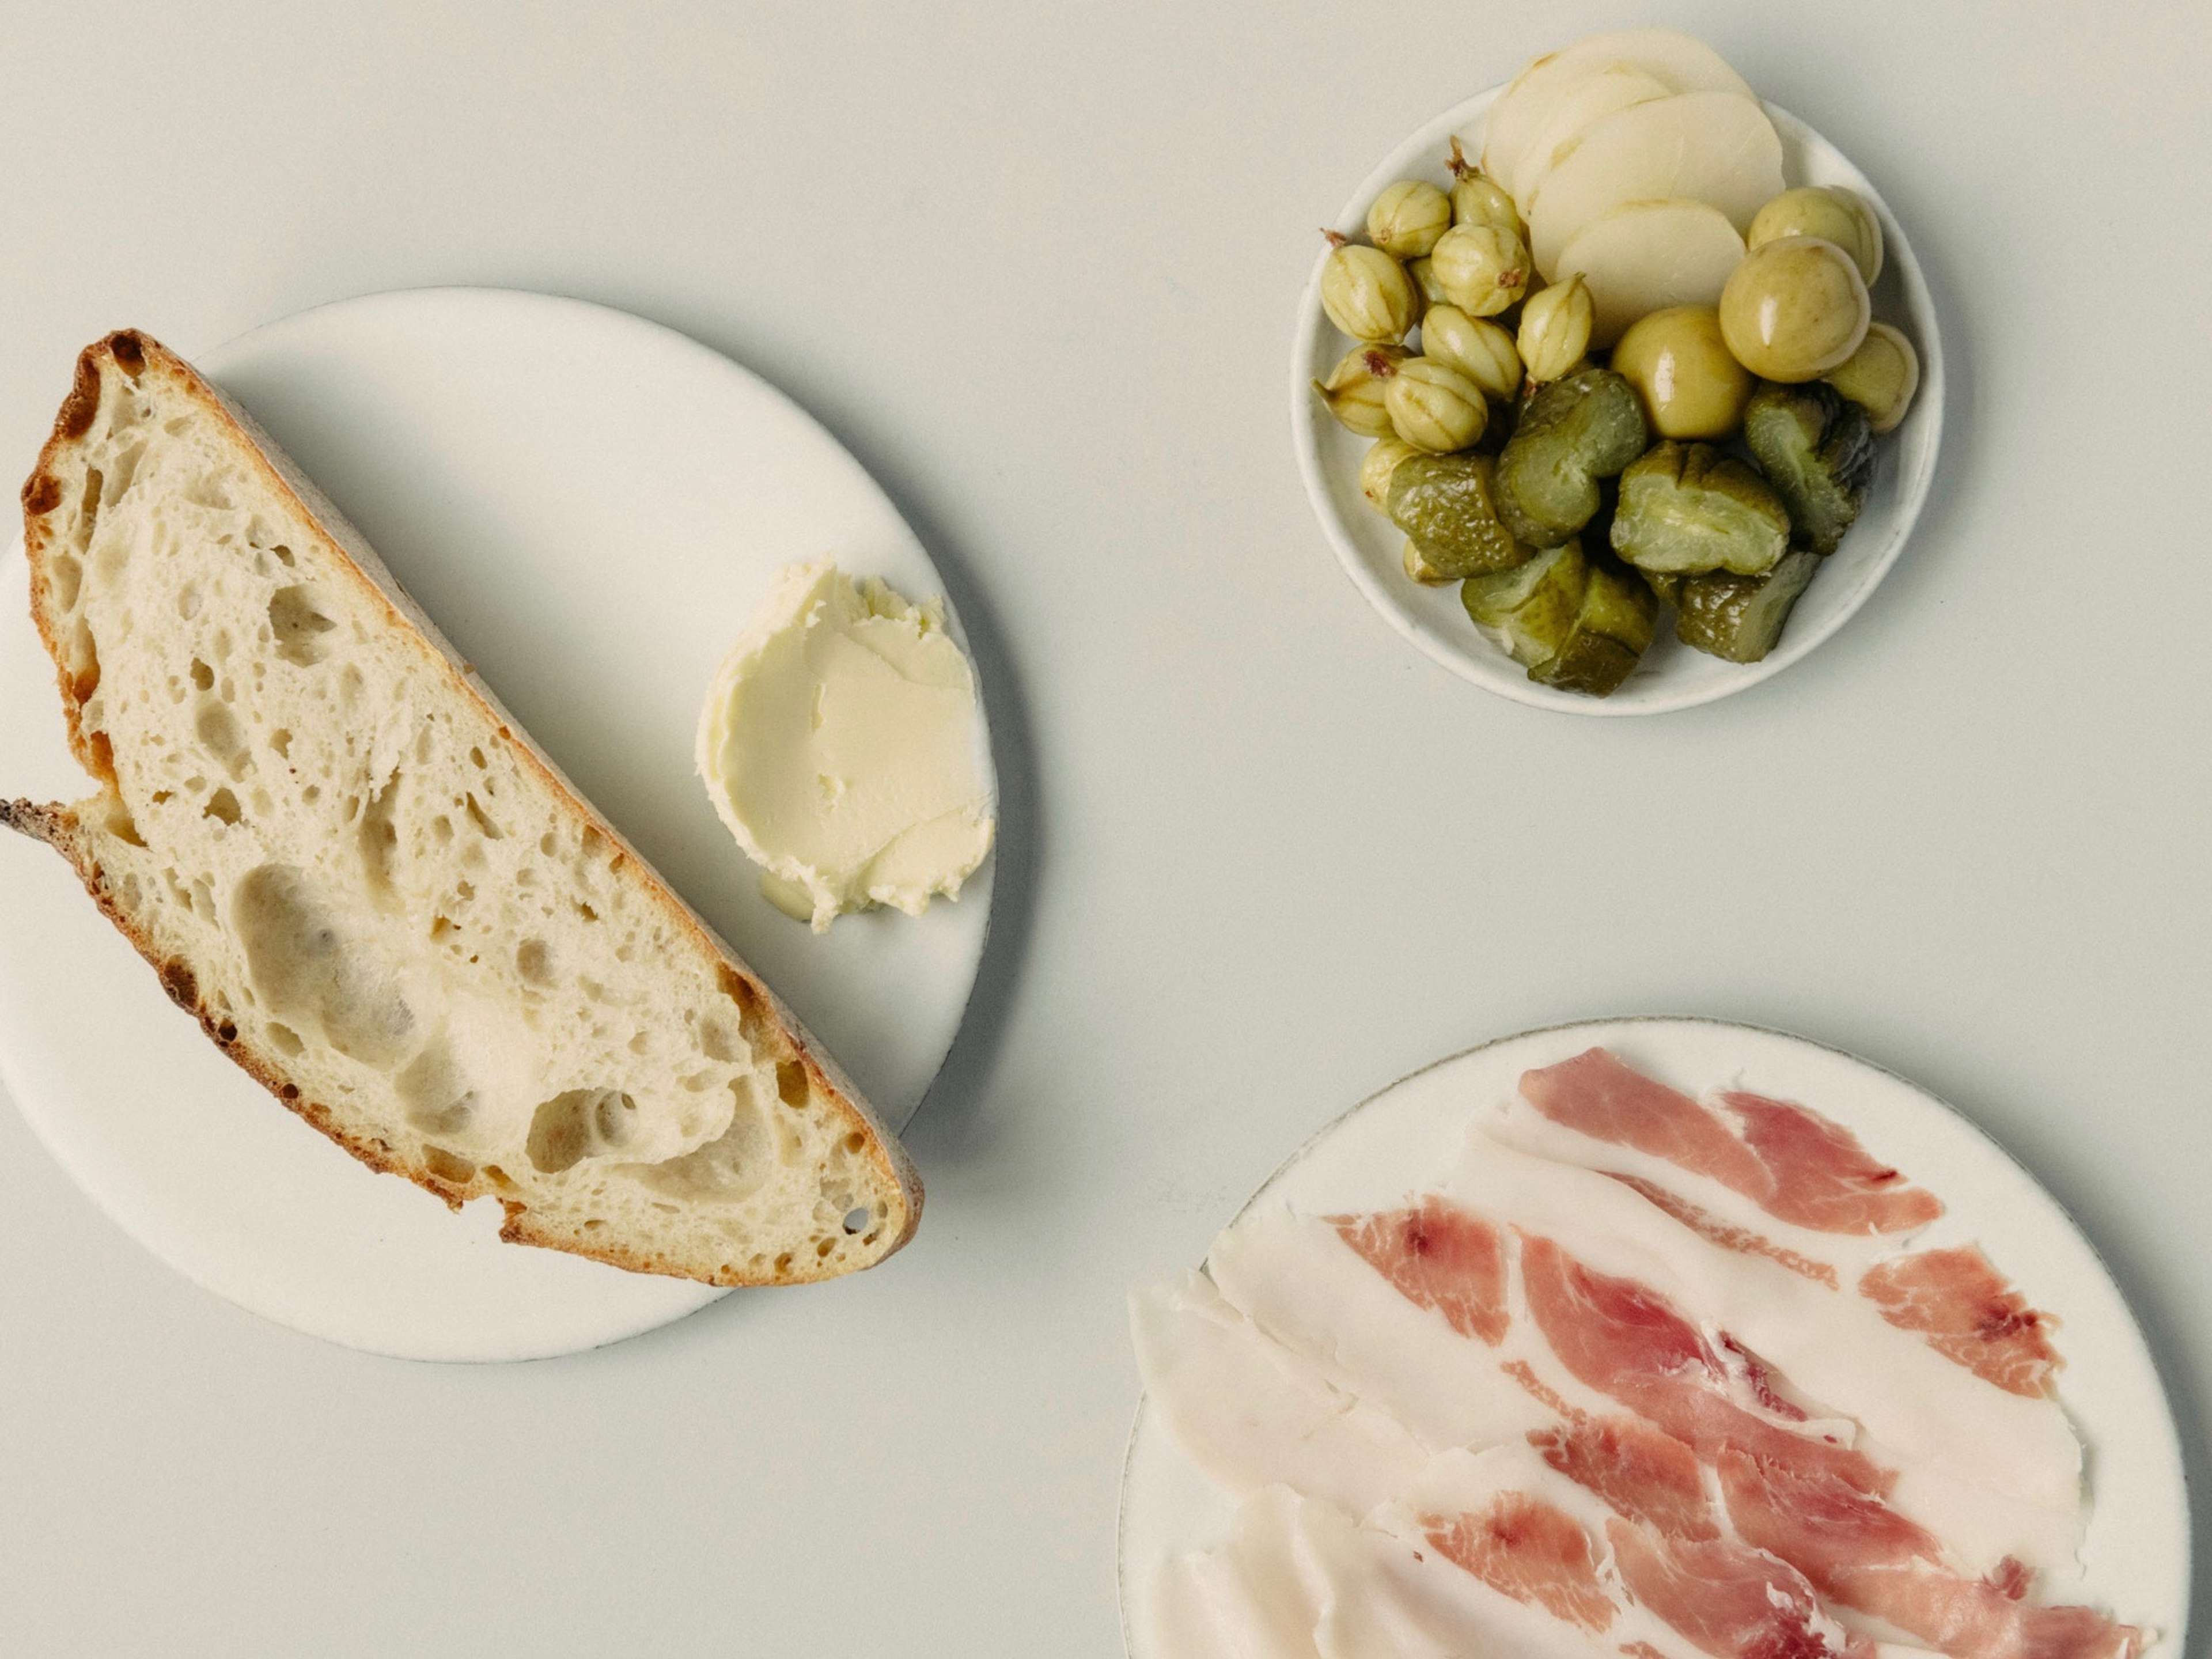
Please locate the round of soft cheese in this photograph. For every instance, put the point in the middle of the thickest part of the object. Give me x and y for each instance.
(842, 744)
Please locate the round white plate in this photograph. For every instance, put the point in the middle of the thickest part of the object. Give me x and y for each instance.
(2136, 1556)
(1671, 675)
(591, 506)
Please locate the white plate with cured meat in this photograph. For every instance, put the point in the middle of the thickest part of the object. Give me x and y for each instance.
(1664, 1337)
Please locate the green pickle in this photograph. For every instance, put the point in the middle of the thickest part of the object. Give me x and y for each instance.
(1578, 624)
(1571, 433)
(1816, 449)
(1611, 632)
(1686, 509)
(1740, 617)
(1531, 608)
(1447, 506)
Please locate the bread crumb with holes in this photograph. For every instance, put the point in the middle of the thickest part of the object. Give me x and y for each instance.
(379, 898)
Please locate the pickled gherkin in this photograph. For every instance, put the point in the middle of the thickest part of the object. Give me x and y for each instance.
(1576, 622)
(1576, 430)
(1530, 610)
(1740, 617)
(1447, 506)
(1816, 449)
(1611, 632)
(1690, 508)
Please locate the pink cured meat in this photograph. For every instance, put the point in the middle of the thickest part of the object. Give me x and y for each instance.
(1641, 1472)
(1527, 1531)
(1727, 1599)
(1786, 1159)
(1968, 1312)
(1525, 1548)
(1629, 1343)
(1439, 1256)
(1828, 1180)
(1861, 1554)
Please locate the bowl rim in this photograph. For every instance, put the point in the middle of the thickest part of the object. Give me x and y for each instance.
(1475, 658)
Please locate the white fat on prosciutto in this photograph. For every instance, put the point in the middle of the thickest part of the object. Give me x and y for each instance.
(1865, 1556)
(1672, 1430)
(1304, 1282)
(1485, 1556)
(1642, 1375)
(1298, 1578)
(1297, 1279)
(1508, 1519)
(1768, 1175)
(1251, 1414)
(1258, 1594)
(1994, 1474)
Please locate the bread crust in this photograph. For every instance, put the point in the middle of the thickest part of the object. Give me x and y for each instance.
(132, 353)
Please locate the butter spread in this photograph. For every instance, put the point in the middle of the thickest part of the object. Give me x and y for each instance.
(842, 744)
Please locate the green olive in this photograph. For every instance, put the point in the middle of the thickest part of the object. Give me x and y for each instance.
(1879, 377)
(1794, 309)
(1690, 383)
(1829, 212)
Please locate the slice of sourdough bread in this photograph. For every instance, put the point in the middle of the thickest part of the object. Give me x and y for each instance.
(379, 897)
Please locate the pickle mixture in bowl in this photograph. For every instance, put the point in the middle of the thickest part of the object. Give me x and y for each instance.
(1618, 376)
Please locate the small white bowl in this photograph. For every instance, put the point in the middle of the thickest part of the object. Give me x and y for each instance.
(1671, 675)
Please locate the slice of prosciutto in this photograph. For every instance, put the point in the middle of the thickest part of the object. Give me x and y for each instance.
(1297, 1578)
(1438, 1256)
(1532, 1551)
(1864, 1556)
(1774, 1175)
(1258, 1594)
(1623, 1339)
(1996, 1473)
(1385, 1329)
(1639, 1470)
(1251, 1414)
(1967, 1311)
(1728, 1599)
(1507, 1518)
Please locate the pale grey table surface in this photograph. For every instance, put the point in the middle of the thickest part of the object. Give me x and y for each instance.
(1038, 266)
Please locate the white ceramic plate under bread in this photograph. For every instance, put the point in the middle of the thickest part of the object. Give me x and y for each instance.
(590, 506)
(2136, 1557)
(1671, 675)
